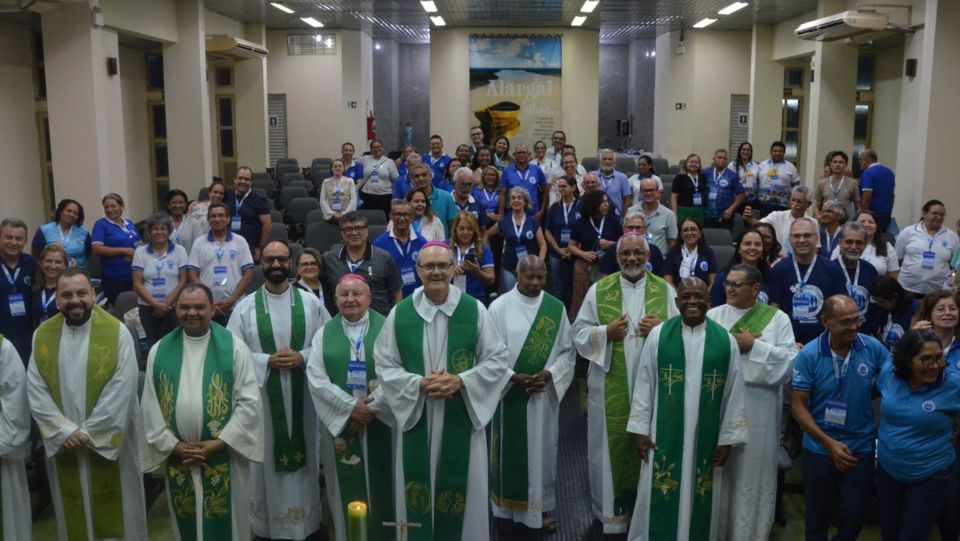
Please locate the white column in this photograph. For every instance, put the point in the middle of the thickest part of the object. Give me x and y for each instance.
(250, 86)
(766, 91)
(357, 84)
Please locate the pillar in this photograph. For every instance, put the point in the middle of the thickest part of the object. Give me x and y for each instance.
(250, 87)
(766, 91)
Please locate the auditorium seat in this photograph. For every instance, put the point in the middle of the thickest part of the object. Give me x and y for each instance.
(374, 217)
(321, 236)
(288, 194)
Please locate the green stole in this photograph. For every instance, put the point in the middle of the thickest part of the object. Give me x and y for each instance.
(624, 462)
(289, 444)
(106, 497)
(353, 472)
(218, 406)
(449, 501)
(756, 319)
(666, 475)
(508, 471)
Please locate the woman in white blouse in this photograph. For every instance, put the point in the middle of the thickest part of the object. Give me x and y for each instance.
(379, 172)
(337, 194)
(878, 252)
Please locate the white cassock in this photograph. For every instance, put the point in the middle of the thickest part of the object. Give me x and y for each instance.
(14, 446)
(243, 433)
(513, 315)
(334, 405)
(283, 505)
(482, 385)
(116, 411)
(591, 341)
(748, 499)
(643, 420)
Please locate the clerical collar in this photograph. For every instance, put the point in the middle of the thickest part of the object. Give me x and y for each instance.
(694, 327)
(428, 310)
(360, 322)
(627, 283)
(203, 337)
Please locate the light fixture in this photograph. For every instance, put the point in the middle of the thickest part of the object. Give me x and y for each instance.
(588, 6)
(429, 6)
(438, 20)
(703, 23)
(281, 7)
(376, 46)
(312, 22)
(578, 20)
(733, 8)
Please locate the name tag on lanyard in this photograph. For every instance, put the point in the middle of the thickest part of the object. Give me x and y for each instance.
(18, 307)
(408, 276)
(356, 375)
(835, 414)
(697, 196)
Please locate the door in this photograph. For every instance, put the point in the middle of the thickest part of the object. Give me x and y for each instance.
(277, 126)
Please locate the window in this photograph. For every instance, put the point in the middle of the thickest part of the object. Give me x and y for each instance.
(311, 44)
(155, 71)
(159, 163)
(39, 75)
(223, 75)
(226, 136)
(791, 122)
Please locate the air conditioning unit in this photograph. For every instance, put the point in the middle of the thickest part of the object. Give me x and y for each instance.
(843, 25)
(231, 48)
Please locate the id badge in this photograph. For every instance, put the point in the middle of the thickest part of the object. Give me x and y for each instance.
(835, 415)
(409, 278)
(220, 275)
(18, 308)
(158, 286)
(356, 376)
(235, 223)
(521, 250)
(565, 235)
(713, 195)
(928, 259)
(337, 204)
(801, 307)
(697, 199)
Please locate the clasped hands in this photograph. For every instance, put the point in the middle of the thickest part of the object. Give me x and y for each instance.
(285, 359)
(642, 444)
(196, 454)
(361, 415)
(532, 383)
(618, 329)
(440, 385)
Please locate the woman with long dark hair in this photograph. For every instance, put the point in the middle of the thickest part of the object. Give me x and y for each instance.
(67, 230)
(751, 250)
(691, 256)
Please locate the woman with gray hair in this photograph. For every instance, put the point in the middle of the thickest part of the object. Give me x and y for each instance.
(159, 273)
(522, 235)
(309, 269)
(832, 217)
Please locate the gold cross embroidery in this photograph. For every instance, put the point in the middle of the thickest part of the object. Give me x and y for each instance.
(671, 376)
(401, 527)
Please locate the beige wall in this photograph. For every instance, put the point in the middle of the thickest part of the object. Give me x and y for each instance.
(785, 43)
(153, 19)
(133, 89)
(888, 75)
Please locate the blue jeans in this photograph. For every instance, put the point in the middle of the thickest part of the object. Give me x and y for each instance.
(909, 510)
(826, 489)
(561, 275)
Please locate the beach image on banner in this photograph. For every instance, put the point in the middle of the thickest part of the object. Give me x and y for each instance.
(515, 87)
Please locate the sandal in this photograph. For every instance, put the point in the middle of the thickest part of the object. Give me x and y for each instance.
(549, 524)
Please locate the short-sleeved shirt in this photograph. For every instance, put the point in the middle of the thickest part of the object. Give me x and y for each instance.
(702, 268)
(585, 232)
(879, 179)
(926, 259)
(377, 266)
(76, 243)
(220, 265)
(160, 274)
(803, 302)
(355, 171)
(775, 181)
(113, 235)
(846, 191)
(515, 242)
(748, 177)
(661, 226)
(489, 202)
(916, 426)
(857, 283)
(560, 224)
(250, 207)
(439, 165)
(531, 179)
(405, 255)
(472, 206)
(722, 190)
(893, 325)
(380, 175)
(685, 186)
(442, 204)
(814, 372)
(402, 186)
(617, 188)
(718, 295)
(16, 302)
(474, 287)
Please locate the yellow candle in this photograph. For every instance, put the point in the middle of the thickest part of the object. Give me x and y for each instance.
(357, 521)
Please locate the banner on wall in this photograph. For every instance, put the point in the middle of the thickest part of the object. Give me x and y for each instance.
(515, 86)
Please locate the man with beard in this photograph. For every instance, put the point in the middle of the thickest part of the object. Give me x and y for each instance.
(859, 274)
(357, 436)
(524, 430)
(687, 410)
(277, 323)
(202, 422)
(82, 386)
(614, 183)
(618, 313)
(15, 518)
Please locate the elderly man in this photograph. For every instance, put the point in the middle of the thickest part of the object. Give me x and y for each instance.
(82, 386)
(463, 193)
(277, 323)
(635, 222)
(524, 431)
(202, 422)
(877, 183)
(19, 269)
(661, 221)
(528, 176)
(764, 337)
(858, 274)
(833, 379)
(618, 313)
(15, 517)
(442, 365)
(221, 260)
(781, 220)
(249, 212)
(688, 409)
(356, 438)
(404, 184)
(554, 154)
(441, 202)
(403, 244)
(725, 193)
(613, 182)
(357, 256)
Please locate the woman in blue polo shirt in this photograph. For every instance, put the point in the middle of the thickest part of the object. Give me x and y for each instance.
(115, 239)
(896, 309)
(914, 447)
(474, 270)
(557, 230)
(67, 230)
(691, 256)
(50, 265)
(521, 233)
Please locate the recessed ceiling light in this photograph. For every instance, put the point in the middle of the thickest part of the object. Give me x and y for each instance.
(312, 22)
(703, 23)
(376, 46)
(429, 6)
(733, 8)
(589, 5)
(438, 20)
(281, 7)
(578, 20)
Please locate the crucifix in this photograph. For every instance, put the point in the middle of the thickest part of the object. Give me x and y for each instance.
(401, 527)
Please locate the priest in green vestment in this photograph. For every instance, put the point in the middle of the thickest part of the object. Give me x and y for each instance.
(687, 411)
(442, 366)
(357, 440)
(82, 388)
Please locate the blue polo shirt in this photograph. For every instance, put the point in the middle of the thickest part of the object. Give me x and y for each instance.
(439, 165)
(526, 241)
(892, 326)
(705, 265)
(951, 353)
(916, 426)
(617, 187)
(489, 202)
(249, 208)
(881, 180)
(721, 190)
(16, 297)
(803, 302)
(860, 291)
(560, 223)
(401, 187)
(472, 206)
(355, 171)
(76, 243)
(475, 287)
(813, 372)
(44, 305)
(405, 255)
(530, 179)
(107, 233)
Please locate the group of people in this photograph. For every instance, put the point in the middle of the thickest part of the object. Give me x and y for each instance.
(470, 313)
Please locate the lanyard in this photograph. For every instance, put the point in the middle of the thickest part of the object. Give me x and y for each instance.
(46, 301)
(605, 181)
(400, 248)
(840, 372)
(123, 227)
(357, 345)
(930, 239)
(16, 275)
(718, 175)
(836, 190)
(599, 230)
(692, 256)
(238, 204)
(856, 276)
(490, 196)
(354, 266)
(566, 213)
(524, 176)
(158, 261)
(461, 255)
(802, 281)
(64, 239)
(696, 182)
(830, 240)
(518, 229)
(218, 251)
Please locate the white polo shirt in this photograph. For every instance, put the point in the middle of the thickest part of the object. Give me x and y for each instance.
(160, 274)
(775, 181)
(922, 273)
(220, 264)
(781, 220)
(661, 225)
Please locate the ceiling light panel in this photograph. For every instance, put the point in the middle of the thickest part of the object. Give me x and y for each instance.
(733, 8)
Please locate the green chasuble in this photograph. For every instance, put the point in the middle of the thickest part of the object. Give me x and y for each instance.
(666, 475)
(624, 462)
(289, 445)
(106, 497)
(217, 407)
(441, 516)
(353, 472)
(508, 470)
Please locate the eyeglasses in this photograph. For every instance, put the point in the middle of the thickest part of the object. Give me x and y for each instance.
(309, 264)
(400, 214)
(928, 361)
(857, 321)
(649, 190)
(634, 227)
(727, 284)
(946, 308)
(270, 260)
(433, 267)
(353, 229)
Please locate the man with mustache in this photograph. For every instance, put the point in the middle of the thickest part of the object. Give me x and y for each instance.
(277, 323)
(202, 422)
(82, 386)
(687, 411)
(618, 313)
